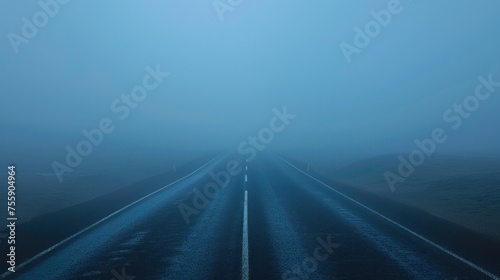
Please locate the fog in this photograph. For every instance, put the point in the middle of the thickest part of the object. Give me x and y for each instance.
(229, 69)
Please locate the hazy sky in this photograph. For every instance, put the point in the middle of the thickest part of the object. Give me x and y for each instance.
(227, 76)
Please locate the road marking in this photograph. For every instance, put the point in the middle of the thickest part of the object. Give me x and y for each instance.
(469, 263)
(246, 178)
(244, 252)
(46, 251)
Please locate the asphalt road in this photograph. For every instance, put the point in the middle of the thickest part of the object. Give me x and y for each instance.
(270, 221)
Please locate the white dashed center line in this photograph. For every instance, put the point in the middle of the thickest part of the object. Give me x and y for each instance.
(244, 257)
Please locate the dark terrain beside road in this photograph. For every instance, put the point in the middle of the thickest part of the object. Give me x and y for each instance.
(467, 242)
(47, 230)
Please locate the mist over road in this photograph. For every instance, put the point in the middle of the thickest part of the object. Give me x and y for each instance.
(293, 226)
